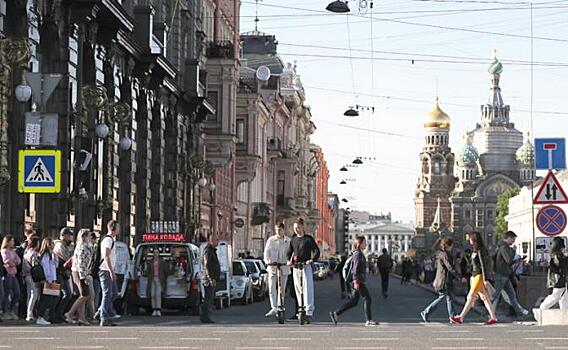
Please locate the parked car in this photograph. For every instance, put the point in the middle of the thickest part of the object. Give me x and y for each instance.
(264, 273)
(259, 285)
(183, 282)
(241, 283)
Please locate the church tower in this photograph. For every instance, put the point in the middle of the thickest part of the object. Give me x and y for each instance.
(436, 180)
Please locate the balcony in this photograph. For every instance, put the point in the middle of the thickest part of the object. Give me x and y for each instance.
(221, 49)
(260, 213)
(285, 207)
(274, 147)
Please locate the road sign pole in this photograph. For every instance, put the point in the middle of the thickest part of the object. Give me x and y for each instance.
(549, 159)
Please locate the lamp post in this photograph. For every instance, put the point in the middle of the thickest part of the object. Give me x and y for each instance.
(14, 54)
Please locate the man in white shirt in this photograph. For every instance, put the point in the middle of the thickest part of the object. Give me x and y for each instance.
(275, 253)
(107, 275)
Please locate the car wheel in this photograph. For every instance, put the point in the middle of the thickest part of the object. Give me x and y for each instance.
(244, 299)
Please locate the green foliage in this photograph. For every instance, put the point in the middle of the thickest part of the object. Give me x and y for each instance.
(501, 225)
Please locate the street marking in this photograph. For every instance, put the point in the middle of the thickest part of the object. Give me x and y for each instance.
(229, 332)
(130, 338)
(470, 339)
(546, 338)
(80, 347)
(166, 347)
(284, 339)
(160, 331)
(556, 347)
(261, 348)
(467, 348)
(201, 339)
(362, 348)
(36, 338)
(373, 339)
(309, 332)
(379, 331)
(100, 331)
(18, 331)
(5, 346)
(525, 331)
(454, 331)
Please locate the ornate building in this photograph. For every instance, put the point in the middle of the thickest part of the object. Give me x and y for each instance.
(492, 159)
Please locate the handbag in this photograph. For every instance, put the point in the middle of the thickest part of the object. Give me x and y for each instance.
(37, 273)
(51, 289)
(68, 264)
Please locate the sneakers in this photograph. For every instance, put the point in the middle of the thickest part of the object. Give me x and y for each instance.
(456, 320)
(107, 323)
(490, 321)
(31, 319)
(371, 323)
(271, 313)
(525, 312)
(115, 317)
(309, 319)
(42, 321)
(334, 317)
(157, 313)
(10, 316)
(424, 316)
(69, 319)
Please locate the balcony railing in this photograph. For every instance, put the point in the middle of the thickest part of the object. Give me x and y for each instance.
(221, 49)
(260, 213)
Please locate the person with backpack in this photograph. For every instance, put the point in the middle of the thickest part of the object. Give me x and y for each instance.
(356, 272)
(31, 259)
(556, 278)
(107, 276)
(504, 260)
(64, 250)
(385, 265)
(443, 282)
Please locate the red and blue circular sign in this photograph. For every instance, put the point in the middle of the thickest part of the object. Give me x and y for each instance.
(551, 220)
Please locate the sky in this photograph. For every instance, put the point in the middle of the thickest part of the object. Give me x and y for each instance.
(397, 57)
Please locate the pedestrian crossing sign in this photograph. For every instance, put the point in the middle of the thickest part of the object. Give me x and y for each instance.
(39, 171)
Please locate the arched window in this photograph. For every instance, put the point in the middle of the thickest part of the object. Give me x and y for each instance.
(436, 167)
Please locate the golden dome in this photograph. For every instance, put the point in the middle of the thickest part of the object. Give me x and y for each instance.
(437, 118)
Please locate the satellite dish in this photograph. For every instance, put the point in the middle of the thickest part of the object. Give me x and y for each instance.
(263, 73)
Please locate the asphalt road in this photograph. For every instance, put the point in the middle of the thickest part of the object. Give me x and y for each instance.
(244, 328)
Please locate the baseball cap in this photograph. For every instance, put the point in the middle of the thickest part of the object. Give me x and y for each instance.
(66, 231)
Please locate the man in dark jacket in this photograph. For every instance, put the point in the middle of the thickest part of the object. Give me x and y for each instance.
(385, 266)
(443, 283)
(358, 273)
(211, 270)
(504, 261)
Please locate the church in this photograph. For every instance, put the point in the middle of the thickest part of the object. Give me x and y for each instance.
(457, 193)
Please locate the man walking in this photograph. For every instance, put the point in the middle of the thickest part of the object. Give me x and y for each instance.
(64, 250)
(358, 274)
(385, 266)
(504, 261)
(107, 276)
(443, 282)
(275, 256)
(211, 274)
(304, 249)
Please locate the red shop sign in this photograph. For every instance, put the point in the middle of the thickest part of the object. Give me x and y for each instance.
(163, 237)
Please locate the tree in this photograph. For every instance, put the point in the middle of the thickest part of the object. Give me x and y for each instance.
(501, 225)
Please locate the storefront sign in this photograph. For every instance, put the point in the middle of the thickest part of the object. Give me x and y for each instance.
(163, 237)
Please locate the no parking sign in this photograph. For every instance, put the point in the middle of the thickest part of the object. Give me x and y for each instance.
(551, 220)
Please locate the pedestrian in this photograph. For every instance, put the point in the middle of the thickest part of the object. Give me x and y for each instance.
(418, 271)
(11, 262)
(428, 269)
(49, 262)
(304, 249)
(93, 278)
(504, 261)
(345, 288)
(358, 275)
(407, 268)
(2, 274)
(481, 275)
(107, 276)
(82, 256)
(556, 281)
(443, 282)
(211, 270)
(29, 232)
(385, 265)
(64, 251)
(157, 276)
(275, 256)
(31, 259)
(465, 267)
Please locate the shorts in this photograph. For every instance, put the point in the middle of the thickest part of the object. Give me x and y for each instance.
(81, 286)
(477, 285)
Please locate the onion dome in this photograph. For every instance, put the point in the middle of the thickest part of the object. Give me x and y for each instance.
(495, 67)
(468, 154)
(437, 118)
(525, 153)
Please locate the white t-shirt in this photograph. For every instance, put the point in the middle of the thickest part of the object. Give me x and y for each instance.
(107, 243)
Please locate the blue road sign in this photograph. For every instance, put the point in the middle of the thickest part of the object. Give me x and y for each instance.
(550, 153)
(39, 171)
(551, 220)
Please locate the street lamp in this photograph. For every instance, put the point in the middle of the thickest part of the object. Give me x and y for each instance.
(351, 112)
(343, 182)
(338, 6)
(125, 143)
(358, 161)
(212, 187)
(343, 168)
(202, 182)
(23, 91)
(102, 130)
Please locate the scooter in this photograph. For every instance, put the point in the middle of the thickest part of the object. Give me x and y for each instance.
(301, 308)
(281, 309)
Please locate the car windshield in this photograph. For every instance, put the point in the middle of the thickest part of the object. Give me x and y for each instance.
(238, 269)
(251, 267)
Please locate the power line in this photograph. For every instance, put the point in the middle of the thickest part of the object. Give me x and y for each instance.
(380, 132)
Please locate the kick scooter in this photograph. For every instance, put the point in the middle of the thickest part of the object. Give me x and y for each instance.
(281, 309)
(301, 308)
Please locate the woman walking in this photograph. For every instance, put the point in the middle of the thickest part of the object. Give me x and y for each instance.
(11, 287)
(80, 271)
(157, 276)
(481, 273)
(49, 263)
(556, 281)
(31, 259)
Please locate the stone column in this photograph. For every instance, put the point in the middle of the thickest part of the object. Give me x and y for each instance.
(373, 244)
(379, 245)
(405, 243)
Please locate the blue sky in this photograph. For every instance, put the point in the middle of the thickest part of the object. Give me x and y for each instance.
(381, 74)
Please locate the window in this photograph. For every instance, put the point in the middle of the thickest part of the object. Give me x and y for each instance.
(280, 187)
(437, 167)
(480, 217)
(213, 98)
(467, 214)
(238, 268)
(240, 131)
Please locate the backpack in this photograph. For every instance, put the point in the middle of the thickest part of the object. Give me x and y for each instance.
(97, 259)
(346, 272)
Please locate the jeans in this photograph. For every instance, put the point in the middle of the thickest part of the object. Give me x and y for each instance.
(97, 291)
(503, 283)
(441, 296)
(308, 287)
(354, 300)
(207, 301)
(11, 294)
(66, 297)
(558, 295)
(156, 293)
(385, 280)
(273, 288)
(45, 305)
(32, 296)
(106, 289)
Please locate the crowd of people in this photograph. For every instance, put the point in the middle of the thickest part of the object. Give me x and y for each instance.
(68, 280)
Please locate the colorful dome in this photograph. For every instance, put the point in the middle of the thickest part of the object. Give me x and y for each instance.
(437, 118)
(468, 154)
(525, 153)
